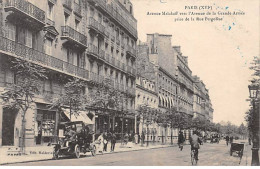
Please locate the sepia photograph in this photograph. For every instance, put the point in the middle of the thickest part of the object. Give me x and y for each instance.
(129, 83)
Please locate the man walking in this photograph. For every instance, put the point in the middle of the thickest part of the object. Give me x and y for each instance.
(181, 140)
(105, 141)
(227, 140)
(113, 141)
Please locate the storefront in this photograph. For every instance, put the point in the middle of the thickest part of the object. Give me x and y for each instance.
(46, 125)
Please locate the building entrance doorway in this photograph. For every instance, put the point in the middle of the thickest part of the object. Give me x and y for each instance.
(9, 116)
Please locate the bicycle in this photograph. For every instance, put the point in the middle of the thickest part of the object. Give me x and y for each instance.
(194, 160)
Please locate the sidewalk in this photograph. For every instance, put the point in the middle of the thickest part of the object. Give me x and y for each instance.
(42, 153)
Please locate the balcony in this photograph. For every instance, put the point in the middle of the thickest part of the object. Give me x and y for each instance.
(67, 4)
(26, 11)
(130, 91)
(50, 22)
(73, 36)
(131, 70)
(77, 9)
(131, 51)
(122, 47)
(96, 78)
(115, 15)
(94, 51)
(96, 27)
(112, 38)
(15, 49)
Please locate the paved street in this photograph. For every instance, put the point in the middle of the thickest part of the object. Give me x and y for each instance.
(210, 154)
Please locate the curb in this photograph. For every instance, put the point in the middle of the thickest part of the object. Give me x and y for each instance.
(96, 155)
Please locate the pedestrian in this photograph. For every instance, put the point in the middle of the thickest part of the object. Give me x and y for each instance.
(105, 141)
(139, 138)
(113, 141)
(126, 138)
(143, 137)
(100, 141)
(227, 139)
(181, 140)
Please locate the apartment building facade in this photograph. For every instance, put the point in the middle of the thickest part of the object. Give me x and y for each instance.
(146, 92)
(94, 40)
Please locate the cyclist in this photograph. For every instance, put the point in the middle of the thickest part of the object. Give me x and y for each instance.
(195, 144)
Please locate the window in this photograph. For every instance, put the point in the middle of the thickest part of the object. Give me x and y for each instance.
(66, 21)
(47, 86)
(92, 12)
(69, 56)
(50, 11)
(121, 79)
(77, 25)
(48, 47)
(111, 73)
(9, 76)
(20, 35)
(99, 18)
(131, 10)
(80, 60)
(91, 66)
(106, 71)
(28, 38)
(11, 31)
(99, 69)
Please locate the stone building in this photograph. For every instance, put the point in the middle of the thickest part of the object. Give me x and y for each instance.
(146, 92)
(92, 40)
(161, 54)
(175, 85)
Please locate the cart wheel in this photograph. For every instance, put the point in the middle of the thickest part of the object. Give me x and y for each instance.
(77, 151)
(94, 151)
(56, 154)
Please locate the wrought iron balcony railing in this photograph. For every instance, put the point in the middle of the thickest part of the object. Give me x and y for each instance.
(73, 35)
(50, 22)
(93, 24)
(27, 8)
(93, 50)
(112, 38)
(131, 50)
(77, 9)
(118, 17)
(67, 4)
(18, 50)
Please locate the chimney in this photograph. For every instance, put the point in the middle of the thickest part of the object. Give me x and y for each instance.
(177, 48)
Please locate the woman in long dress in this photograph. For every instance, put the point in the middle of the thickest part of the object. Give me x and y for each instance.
(101, 143)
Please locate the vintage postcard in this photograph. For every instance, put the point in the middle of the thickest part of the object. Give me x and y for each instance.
(129, 82)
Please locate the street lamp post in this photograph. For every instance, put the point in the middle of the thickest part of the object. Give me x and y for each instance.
(253, 91)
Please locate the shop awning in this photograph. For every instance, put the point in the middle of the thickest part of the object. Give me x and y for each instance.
(81, 116)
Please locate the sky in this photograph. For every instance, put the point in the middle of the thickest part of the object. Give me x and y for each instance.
(218, 52)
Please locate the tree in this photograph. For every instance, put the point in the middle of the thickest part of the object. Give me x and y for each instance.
(255, 65)
(20, 95)
(107, 97)
(148, 116)
(242, 131)
(73, 97)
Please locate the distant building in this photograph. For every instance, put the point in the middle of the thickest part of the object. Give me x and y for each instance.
(146, 91)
